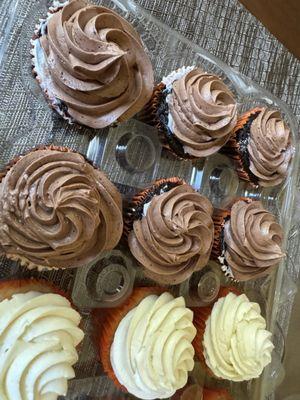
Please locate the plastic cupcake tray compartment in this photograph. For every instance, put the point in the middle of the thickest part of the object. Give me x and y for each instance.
(132, 157)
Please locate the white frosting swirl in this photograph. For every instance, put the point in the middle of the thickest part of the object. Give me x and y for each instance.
(38, 336)
(236, 344)
(152, 352)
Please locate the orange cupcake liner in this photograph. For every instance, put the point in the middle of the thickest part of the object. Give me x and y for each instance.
(106, 322)
(149, 113)
(232, 148)
(137, 201)
(201, 315)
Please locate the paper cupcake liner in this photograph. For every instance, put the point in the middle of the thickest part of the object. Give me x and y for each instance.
(239, 154)
(134, 210)
(201, 315)
(149, 112)
(25, 262)
(106, 322)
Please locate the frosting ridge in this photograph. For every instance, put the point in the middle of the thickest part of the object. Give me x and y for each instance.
(203, 112)
(38, 338)
(97, 64)
(253, 241)
(237, 345)
(152, 352)
(269, 148)
(175, 237)
(56, 210)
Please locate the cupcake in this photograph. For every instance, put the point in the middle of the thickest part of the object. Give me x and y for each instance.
(57, 210)
(146, 344)
(261, 147)
(91, 65)
(232, 339)
(38, 337)
(170, 230)
(248, 240)
(194, 111)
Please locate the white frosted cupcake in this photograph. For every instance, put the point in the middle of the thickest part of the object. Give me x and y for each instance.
(232, 339)
(38, 337)
(145, 345)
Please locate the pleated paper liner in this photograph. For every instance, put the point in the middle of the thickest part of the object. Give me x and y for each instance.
(236, 147)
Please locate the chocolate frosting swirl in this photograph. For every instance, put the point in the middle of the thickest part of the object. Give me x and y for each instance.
(56, 210)
(175, 237)
(97, 64)
(253, 241)
(203, 112)
(269, 148)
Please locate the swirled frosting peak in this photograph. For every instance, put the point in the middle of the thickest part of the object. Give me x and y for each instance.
(38, 336)
(253, 241)
(237, 345)
(56, 210)
(269, 148)
(152, 350)
(97, 64)
(203, 112)
(175, 237)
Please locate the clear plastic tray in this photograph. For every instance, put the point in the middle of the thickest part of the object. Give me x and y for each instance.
(26, 121)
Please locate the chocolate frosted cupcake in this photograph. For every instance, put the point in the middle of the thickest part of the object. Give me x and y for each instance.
(194, 111)
(261, 147)
(248, 240)
(91, 64)
(170, 230)
(57, 210)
